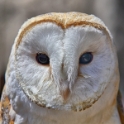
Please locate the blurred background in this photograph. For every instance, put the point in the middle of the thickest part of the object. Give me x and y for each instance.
(13, 13)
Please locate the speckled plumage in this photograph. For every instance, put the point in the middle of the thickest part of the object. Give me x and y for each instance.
(64, 91)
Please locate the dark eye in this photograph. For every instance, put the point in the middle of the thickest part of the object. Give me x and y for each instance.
(42, 58)
(86, 58)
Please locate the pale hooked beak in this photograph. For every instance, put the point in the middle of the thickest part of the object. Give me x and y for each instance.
(64, 90)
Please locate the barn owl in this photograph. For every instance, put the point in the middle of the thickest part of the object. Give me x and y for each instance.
(62, 69)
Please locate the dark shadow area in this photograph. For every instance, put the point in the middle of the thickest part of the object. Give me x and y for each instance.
(2, 82)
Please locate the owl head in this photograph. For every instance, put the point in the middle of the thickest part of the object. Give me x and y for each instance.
(64, 60)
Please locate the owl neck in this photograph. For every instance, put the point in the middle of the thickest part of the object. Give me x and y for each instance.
(103, 111)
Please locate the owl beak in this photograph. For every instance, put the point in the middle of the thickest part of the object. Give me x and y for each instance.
(65, 94)
(64, 89)
(64, 84)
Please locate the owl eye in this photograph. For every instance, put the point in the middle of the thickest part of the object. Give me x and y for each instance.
(86, 58)
(42, 58)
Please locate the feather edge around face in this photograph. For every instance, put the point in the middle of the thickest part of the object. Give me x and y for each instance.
(64, 21)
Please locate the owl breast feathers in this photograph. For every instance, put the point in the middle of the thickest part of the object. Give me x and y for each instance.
(63, 69)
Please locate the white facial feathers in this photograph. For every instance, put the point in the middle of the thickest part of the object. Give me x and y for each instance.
(64, 78)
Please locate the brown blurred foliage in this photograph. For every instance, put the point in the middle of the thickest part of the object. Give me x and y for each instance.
(13, 13)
